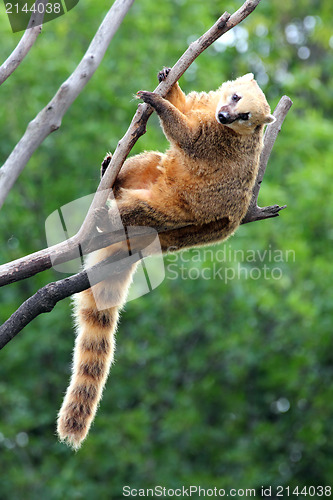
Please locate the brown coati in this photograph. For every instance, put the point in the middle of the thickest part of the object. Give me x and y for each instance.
(198, 191)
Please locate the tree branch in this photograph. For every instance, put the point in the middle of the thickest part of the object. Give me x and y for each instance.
(254, 211)
(49, 119)
(42, 260)
(46, 298)
(28, 39)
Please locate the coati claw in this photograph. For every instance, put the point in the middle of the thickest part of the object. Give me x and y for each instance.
(161, 75)
(147, 97)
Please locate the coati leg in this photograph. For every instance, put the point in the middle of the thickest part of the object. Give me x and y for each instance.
(137, 207)
(175, 95)
(138, 172)
(177, 127)
(193, 235)
(96, 313)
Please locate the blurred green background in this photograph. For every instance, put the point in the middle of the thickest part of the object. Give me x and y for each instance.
(215, 384)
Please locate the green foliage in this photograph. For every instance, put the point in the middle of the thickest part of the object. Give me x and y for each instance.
(225, 384)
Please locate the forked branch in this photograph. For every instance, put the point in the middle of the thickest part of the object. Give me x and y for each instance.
(28, 39)
(46, 298)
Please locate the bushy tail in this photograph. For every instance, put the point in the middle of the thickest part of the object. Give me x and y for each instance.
(93, 353)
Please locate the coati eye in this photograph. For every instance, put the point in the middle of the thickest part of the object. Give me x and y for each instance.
(236, 98)
(244, 116)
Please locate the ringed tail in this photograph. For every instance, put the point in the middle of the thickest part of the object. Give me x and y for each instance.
(93, 353)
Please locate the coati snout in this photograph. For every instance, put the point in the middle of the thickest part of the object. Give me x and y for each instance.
(226, 116)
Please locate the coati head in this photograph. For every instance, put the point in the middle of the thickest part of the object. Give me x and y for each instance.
(243, 105)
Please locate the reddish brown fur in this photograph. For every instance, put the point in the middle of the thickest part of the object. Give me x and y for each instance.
(198, 191)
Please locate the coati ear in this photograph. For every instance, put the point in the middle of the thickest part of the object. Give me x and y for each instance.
(269, 119)
(246, 78)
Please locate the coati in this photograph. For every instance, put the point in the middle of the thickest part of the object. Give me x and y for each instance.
(197, 193)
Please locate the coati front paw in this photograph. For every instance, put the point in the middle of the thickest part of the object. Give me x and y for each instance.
(161, 75)
(147, 97)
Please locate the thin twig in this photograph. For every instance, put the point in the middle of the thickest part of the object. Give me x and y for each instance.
(28, 39)
(49, 119)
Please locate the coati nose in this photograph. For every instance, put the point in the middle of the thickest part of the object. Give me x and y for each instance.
(224, 117)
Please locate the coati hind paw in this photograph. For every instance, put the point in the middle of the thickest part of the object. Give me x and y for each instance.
(105, 163)
(102, 219)
(161, 75)
(107, 219)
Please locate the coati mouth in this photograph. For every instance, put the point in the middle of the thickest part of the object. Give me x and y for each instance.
(226, 118)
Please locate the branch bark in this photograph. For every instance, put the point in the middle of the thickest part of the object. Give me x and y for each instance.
(28, 39)
(49, 119)
(42, 260)
(46, 298)
(254, 211)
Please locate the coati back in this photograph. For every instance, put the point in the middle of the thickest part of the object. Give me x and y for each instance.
(195, 193)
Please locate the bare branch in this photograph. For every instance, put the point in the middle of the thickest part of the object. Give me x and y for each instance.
(42, 260)
(255, 212)
(47, 297)
(49, 119)
(28, 39)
